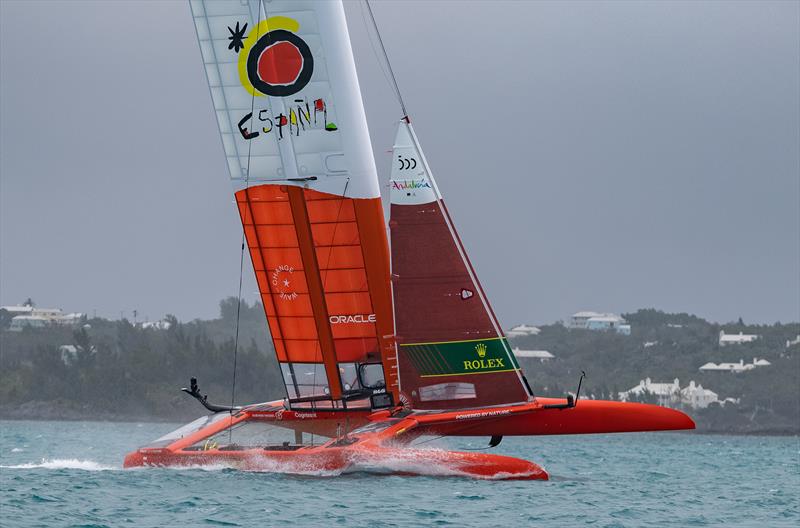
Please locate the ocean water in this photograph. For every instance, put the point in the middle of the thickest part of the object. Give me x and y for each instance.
(69, 474)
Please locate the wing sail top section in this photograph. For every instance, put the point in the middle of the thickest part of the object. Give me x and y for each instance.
(451, 351)
(286, 95)
(288, 105)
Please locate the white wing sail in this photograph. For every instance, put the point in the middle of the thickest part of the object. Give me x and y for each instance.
(286, 94)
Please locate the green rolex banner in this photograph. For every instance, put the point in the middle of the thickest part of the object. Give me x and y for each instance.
(455, 358)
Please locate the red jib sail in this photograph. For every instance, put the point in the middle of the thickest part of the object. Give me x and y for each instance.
(288, 104)
(451, 351)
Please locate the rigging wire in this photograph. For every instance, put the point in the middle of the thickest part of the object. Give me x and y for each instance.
(241, 256)
(443, 209)
(374, 49)
(386, 59)
(407, 119)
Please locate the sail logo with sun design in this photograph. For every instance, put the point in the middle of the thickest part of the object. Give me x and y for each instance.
(273, 59)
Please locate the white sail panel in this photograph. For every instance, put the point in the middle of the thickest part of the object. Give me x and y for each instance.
(286, 95)
(410, 182)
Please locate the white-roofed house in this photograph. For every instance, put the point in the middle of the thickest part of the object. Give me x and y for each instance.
(39, 317)
(665, 393)
(18, 322)
(13, 310)
(671, 394)
(735, 339)
(579, 319)
(741, 366)
(599, 321)
(609, 322)
(157, 325)
(541, 355)
(696, 397)
(522, 330)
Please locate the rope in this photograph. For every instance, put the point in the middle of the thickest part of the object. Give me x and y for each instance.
(241, 256)
(388, 63)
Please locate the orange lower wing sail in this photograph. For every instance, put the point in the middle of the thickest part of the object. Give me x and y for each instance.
(321, 263)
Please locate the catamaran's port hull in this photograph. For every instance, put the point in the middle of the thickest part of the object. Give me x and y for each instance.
(329, 461)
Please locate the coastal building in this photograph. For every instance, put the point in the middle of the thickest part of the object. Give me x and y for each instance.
(541, 355)
(31, 316)
(696, 397)
(735, 367)
(735, 339)
(522, 331)
(794, 341)
(672, 395)
(665, 393)
(156, 325)
(600, 321)
(579, 319)
(609, 322)
(24, 309)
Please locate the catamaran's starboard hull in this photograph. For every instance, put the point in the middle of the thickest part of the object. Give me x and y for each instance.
(552, 416)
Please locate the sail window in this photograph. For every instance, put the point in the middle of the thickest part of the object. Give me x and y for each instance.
(348, 373)
(372, 375)
(247, 434)
(353, 385)
(188, 429)
(447, 391)
(305, 379)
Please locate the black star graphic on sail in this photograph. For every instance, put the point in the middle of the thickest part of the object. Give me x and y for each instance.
(236, 37)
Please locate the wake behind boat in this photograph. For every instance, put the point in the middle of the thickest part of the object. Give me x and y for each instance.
(377, 347)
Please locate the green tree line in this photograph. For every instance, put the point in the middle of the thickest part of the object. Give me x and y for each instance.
(664, 346)
(119, 370)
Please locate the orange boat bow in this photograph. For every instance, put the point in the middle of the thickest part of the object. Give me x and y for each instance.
(535, 418)
(599, 416)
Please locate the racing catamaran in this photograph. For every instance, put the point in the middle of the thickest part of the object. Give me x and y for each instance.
(377, 348)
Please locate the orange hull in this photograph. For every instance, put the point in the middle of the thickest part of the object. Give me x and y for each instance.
(379, 446)
(329, 461)
(380, 441)
(535, 418)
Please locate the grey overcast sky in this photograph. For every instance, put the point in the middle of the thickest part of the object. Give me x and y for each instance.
(595, 155)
